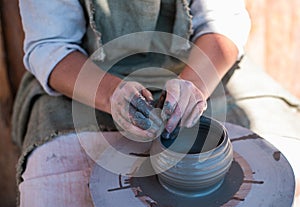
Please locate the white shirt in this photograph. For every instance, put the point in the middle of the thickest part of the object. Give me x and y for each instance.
(55, 28)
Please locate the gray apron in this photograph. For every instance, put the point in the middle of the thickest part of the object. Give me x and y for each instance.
(39, 118)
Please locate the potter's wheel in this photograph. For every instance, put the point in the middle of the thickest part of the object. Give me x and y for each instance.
(259, 176)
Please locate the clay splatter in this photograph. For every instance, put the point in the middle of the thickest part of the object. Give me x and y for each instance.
(121, 186)
(238, 199)
(253, 181)
(140, 154)
(276, 155)
(250, 136)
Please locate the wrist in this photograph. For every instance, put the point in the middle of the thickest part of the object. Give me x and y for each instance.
(190, 75)
(210, 59)
(105, 90)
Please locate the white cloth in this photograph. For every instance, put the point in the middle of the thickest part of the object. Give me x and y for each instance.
(57, 175)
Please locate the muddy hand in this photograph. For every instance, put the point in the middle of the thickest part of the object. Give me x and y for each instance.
(184, 104)
(165, 134)
(142, 113)
(132, 110)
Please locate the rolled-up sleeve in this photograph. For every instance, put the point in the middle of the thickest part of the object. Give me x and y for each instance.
(53, 29)
(229, 18)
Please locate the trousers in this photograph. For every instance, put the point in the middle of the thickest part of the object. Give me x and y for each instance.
(57, 174)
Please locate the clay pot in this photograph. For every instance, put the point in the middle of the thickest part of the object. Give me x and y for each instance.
(196, 162)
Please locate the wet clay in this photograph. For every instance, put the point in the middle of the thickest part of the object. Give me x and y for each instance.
(203, 137)
(139, 120)
(141, 113)
(141, 105)
(167, 135)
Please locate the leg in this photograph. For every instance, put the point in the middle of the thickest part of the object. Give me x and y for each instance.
(57, 174)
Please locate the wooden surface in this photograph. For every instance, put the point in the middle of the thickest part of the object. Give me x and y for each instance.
(8, 152)
(11, 71)
(274, 42)
(13, 36)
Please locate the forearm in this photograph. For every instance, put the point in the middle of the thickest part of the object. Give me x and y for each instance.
(209, 61)
(79, 78)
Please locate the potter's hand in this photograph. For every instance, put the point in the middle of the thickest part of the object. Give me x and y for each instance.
(132, 110)
(184, 102)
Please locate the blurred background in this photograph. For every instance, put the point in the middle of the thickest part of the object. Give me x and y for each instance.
(274, 42)
(274, 45)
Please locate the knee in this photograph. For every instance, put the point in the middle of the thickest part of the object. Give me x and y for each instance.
(61, 155)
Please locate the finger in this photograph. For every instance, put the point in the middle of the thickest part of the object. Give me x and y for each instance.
(138, 119)
(147, 94)
(180, 110)
(129, 128)
(139, 102)
(135, 96)
(173, 134)
(131, 90)
(165, 134)
(146, 109)
(174, 120)
(172, 97)
(193, 117)
(193, 112)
